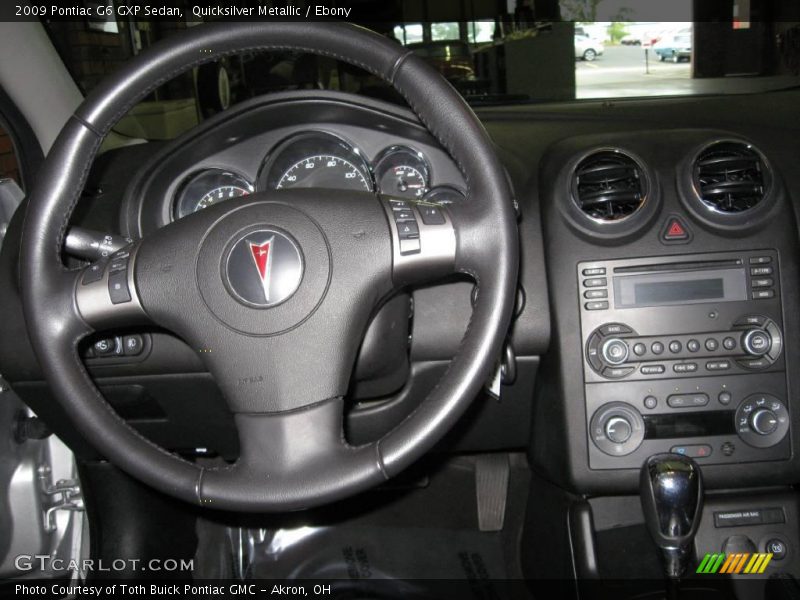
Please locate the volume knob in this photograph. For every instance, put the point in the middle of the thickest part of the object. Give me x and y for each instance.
(615, 351)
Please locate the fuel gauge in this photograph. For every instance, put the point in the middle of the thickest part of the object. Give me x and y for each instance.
(402, 172)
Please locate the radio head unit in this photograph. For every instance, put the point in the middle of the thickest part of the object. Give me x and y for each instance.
(684, 353)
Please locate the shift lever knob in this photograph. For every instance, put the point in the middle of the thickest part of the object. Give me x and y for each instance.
(671, 489)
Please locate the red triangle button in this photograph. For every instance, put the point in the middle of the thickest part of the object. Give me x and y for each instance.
(675, 231)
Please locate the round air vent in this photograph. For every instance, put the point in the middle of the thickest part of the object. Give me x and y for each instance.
(609, 186)
(730, 177)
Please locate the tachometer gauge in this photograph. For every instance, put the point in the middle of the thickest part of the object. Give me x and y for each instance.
(208, 187)
(324, 171)
(403, 172)
(316, 159)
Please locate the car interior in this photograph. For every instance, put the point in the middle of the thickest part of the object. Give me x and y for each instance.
(371, 316)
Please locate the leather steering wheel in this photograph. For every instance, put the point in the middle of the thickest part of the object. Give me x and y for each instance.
(274, 292)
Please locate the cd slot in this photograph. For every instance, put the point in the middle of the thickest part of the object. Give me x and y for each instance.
(682, 266)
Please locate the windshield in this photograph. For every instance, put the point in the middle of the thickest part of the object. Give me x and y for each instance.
(517, 55)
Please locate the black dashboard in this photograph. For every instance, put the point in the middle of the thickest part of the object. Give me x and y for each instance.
(658, 293)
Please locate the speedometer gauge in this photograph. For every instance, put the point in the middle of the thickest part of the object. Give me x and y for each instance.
(316, 159)
(324, 171)
(403, 172)
(208, 187)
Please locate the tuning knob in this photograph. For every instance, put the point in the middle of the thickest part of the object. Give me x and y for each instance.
(756, 342)
(763, 421)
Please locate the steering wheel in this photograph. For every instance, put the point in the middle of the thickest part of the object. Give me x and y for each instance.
(275, 293)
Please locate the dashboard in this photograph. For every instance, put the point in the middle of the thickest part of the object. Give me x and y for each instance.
(650, 317)
(261, 150)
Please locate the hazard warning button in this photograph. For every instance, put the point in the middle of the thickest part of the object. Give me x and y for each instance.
(675, 231)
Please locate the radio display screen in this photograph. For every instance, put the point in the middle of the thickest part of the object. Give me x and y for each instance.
(660, 292)
(682, 287)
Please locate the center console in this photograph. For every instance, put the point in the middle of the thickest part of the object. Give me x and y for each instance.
(684, 354)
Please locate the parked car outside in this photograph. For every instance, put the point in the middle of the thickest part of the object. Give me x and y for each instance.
(587, 48)
(675, 48)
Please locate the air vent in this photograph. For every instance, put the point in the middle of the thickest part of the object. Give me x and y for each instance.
(609, 186)
(730, 177)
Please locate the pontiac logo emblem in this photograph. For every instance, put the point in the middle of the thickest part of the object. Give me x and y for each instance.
(263, 259)
(263, 268)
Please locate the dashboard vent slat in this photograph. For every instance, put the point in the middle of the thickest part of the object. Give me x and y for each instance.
(729, 177)
(609, 186)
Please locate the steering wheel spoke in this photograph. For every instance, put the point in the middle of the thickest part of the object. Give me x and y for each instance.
(106, 294)
(423, 241)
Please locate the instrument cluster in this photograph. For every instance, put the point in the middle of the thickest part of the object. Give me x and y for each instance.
(318, 159)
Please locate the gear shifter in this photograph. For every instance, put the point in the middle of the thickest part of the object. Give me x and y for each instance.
(671, 489)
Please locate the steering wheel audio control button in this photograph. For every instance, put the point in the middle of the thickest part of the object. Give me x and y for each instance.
(118, 287)
(93, 273)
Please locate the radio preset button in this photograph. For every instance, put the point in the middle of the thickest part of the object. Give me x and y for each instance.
(729, 343)
(687, 400)
(693, 345)
(595, 282)
(712, 345)
(675, 346)
(656, 347)
(652, 369)
(639, 349)
(685, 367)
(615, 351)
(594, 294)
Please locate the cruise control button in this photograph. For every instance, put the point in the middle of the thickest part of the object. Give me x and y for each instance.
(118, 287)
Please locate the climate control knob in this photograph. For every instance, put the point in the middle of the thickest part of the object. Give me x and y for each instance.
(618, 430)
(756, 342)
(615, 351)
(763, 421)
